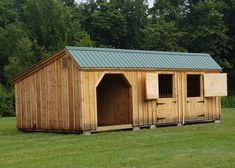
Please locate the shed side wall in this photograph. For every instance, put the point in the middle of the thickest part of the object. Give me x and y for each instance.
(49, 99)
(145, 112)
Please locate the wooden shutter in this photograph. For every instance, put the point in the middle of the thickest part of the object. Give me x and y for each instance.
(215, 84)
(151, 86)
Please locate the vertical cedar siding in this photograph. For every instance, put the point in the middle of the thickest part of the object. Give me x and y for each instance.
(64, 98)
(144, 112)
(49, 99)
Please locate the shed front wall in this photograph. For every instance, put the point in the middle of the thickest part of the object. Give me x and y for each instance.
(49, 99)
(146, 112)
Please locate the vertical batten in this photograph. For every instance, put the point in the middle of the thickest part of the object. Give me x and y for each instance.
(135, 111)
(92, 101)
(43, 101)
(140, 99)
(70, 95)
(34, 102)
(39, 100)
(65, 98)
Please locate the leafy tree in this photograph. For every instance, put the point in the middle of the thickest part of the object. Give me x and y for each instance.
(12, 38)
(163, 36)
(6, 102)
(20, 59)
(105, 23)
(46, 21)
(169, 10)
(135, 13)
(163, 32)
(206, 31)
(51, 24)
(229, 18)
(8, 13)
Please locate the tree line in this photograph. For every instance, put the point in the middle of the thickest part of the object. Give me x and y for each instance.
(31, 30)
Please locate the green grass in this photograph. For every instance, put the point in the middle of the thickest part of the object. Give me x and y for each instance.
(198, 145)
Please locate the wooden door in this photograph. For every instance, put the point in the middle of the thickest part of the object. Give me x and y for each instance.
(195, 103)
(167, 103)
(167, 111)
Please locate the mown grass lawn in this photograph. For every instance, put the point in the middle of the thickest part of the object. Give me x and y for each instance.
(198, 145)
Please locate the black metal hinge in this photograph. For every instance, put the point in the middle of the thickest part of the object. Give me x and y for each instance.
(160, 104)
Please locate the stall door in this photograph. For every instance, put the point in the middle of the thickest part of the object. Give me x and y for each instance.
(195, 103)
(167, 103)
(201, 94)
(162, 88)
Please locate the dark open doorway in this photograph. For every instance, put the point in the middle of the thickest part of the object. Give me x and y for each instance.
(114, 100)
(193, 85)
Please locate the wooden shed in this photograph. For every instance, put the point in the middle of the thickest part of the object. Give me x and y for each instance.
(94, 89)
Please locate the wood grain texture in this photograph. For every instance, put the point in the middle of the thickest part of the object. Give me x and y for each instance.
(215, 84)
(151, 84)
(65, 98)
(47, 100)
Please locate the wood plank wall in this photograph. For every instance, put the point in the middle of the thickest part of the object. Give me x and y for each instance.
(57, 98)
(144, 111)
(50, 98)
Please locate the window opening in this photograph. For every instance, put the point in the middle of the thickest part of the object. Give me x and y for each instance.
(193, 86)
(165, 85)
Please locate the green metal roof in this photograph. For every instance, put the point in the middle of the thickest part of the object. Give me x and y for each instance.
(119, 58)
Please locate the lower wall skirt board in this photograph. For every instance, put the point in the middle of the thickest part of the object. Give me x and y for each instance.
(114, 127)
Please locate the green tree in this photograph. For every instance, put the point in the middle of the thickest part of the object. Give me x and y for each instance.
(105, 24)
(163, 31)
(206, 31)
(135, 13)
(12, 39)
(51, 25)
(8, 14)
(7, 102)
(163, 36)
(229, 18)
(21, 58)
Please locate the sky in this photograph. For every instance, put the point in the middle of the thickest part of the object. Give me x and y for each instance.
(149, 1)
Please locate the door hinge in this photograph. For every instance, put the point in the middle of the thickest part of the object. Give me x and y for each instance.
(201, 101)
(161, 118)
(160, 104)
(201, 115)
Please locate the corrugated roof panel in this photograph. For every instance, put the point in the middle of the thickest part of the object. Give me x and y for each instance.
(118, 58)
